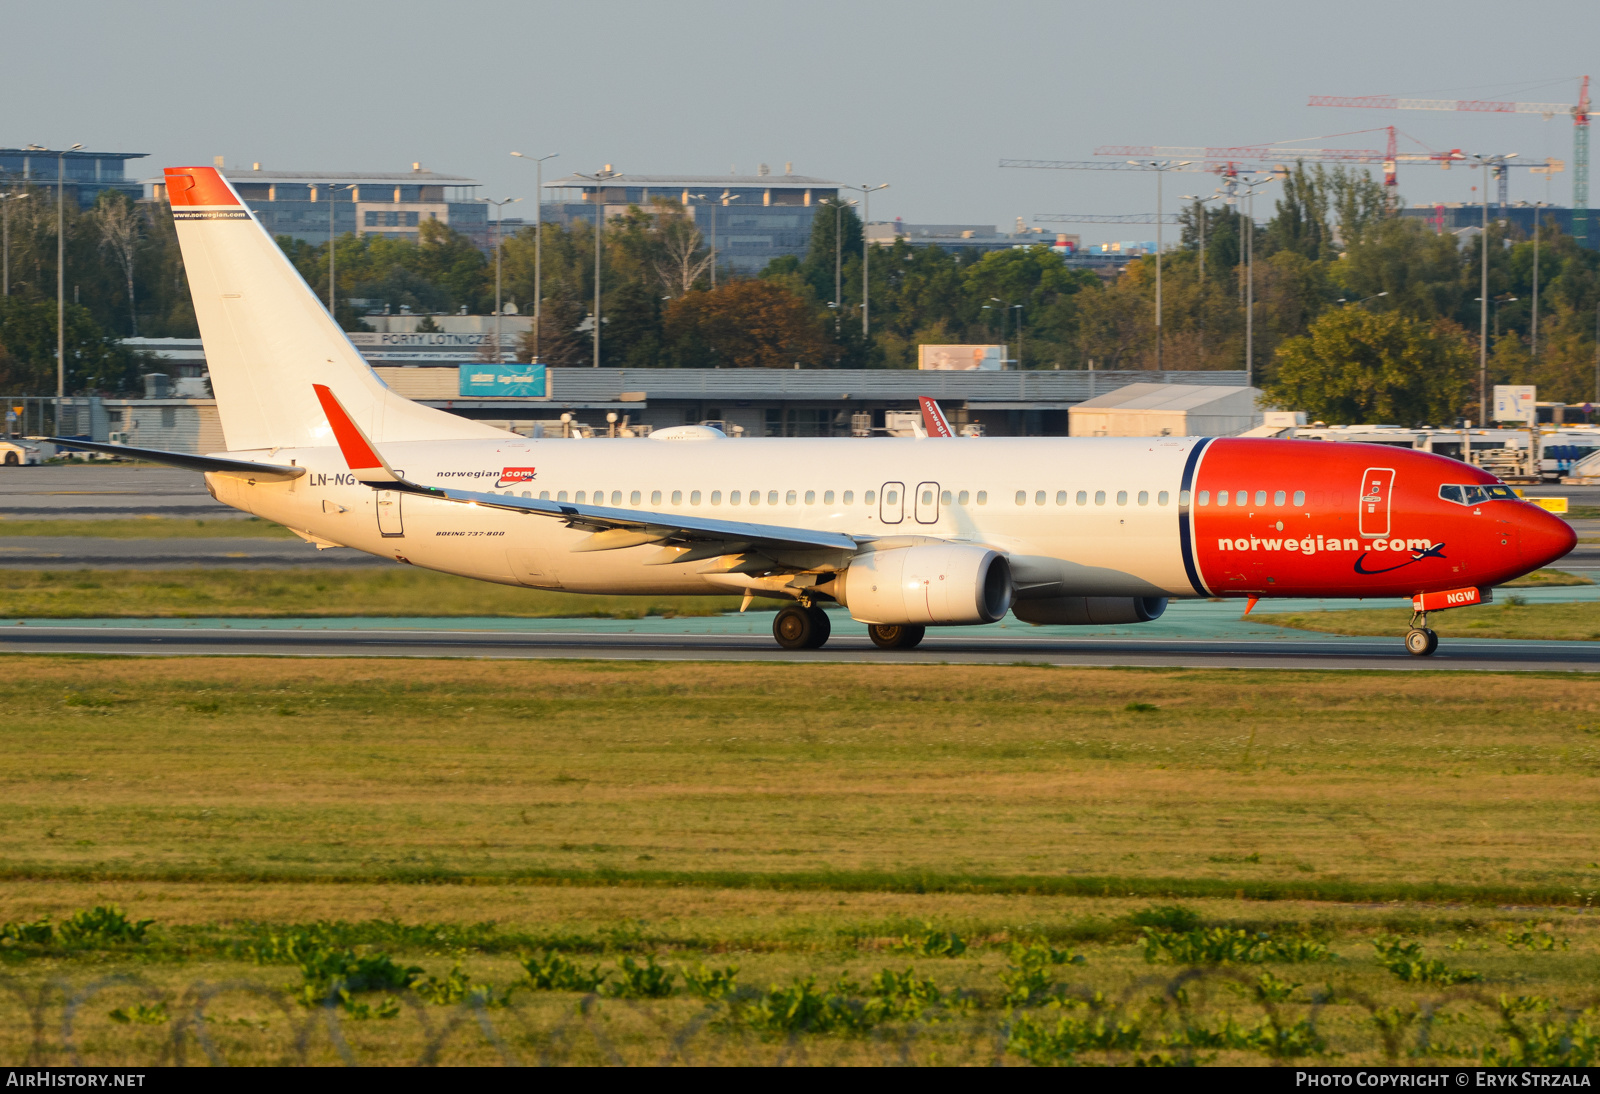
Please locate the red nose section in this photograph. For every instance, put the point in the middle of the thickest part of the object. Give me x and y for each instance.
(1545, 537)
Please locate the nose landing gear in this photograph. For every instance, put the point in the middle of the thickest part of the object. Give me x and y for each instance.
(1420, 641)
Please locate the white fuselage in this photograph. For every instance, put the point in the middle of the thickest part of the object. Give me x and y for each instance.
(1019, 496)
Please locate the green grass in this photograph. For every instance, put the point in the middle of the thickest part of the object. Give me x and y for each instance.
(1504, 619)
(390, 591)
(150, 527)
(1582, 512)
(824, 825)
(1547, 577)
(858, 777)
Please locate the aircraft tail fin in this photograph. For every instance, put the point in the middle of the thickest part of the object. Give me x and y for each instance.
(268, 338)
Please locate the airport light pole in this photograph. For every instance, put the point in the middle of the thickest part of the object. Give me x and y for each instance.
(838, 259)
(5, 238)
(720, 203)
(1534, 333)
(1252, 186)
(1488, 163)
(1160, 167)
(599, 178)
(538, 243)
(332, 188)
(61, 274)
(866, 279)
(499, 214)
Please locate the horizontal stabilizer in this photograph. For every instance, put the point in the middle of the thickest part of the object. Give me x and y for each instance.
(186, 461)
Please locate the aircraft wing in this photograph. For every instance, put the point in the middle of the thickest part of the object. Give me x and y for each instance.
(187, 461)
(615, 528)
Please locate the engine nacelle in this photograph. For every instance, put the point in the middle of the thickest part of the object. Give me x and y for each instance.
(936, 584)
(1087, 611)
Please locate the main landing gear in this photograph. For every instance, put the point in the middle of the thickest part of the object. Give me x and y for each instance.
(801, 627)
(895, 636)
(1420, 641)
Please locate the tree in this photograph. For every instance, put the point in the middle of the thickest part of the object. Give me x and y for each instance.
(1301, 223)
(97, 362)
(745, 324)
(121, 228)
(1356, 365)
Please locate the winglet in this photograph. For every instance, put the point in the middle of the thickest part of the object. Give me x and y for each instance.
(358, 452)
(933, 418)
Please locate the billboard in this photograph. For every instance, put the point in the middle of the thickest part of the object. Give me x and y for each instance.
(961, 358)
(504, 381)
(1515, 403)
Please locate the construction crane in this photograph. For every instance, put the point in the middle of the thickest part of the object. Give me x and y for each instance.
(1580, 133)
(1103, 218)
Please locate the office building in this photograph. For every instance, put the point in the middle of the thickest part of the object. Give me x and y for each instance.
(755, 218)
(87, 173)
(388, 203)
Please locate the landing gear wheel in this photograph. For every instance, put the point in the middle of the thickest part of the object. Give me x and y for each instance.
(821, 627)
(1421, 642)
(895, 636)
(799, 628)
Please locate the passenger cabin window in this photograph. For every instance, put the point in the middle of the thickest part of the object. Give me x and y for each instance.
(1099, 497)
(733, 497)
(1183, 498)
(1261, 498)
(961, 498)
(944, 497)
(811, 497)
(1083, 497)
(716, 497)
(788, 499)
(677, 497)
(1277, 499)
(561, 495)
(1299, 498)
(1144, 497)
(772, 497)
(634, 498)
(694, 497)
(1222, 497)
(544, 495)
(869, 497)
(1242, 498)
(849, 497)
(1022, 497)
(1161, 498)
(616, 497)
(755, 497)
(579, 496)
(983, 497)
(827, 497)
(655, 497)
(1122, 497)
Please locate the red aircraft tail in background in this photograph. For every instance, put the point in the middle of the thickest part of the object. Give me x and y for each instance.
(933, 419)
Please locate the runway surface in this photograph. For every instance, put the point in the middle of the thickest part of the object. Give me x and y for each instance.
(231, 553)
(748, 639)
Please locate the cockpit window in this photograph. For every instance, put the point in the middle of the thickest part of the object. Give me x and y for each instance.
(1477, 495)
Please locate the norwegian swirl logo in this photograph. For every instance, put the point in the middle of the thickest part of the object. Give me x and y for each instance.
(510, 476)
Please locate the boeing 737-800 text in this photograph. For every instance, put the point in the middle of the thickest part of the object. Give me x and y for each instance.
(904, 533)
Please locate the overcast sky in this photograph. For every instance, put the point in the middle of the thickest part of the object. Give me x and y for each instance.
(926, 96)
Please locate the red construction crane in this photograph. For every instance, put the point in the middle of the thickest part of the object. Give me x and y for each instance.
(1580, 134)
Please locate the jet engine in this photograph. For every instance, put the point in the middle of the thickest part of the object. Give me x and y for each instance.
(937, 584)
(1086, 611)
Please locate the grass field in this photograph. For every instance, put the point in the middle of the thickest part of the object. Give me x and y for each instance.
(149, 527)
(395, 591)
(1547, 578)
(805, 822)
(1504, 619)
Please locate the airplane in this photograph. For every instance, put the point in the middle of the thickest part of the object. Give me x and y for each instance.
(903, 533)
